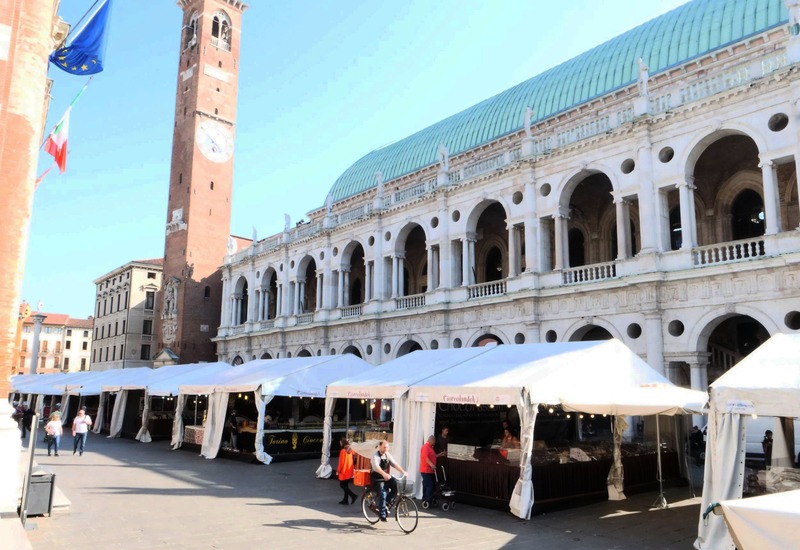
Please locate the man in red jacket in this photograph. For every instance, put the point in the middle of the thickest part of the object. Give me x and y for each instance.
(427, 467)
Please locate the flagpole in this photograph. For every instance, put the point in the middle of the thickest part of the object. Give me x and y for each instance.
(81, 20)
(60, 120)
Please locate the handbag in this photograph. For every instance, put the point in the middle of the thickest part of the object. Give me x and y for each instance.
(48, 438)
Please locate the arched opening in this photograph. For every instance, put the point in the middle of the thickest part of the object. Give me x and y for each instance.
(356, 296)
(304, 353)
(352, 350)
(577, 251)
(237, 361)
(485, 340)
(308, 300)
(590, 209)
(266, 355)
(221, 31)
(491, 246)
(493, 265)
(675, 236)
(590, 333)
(415, 280)
(241, 301)
(731, 341)
(190, 32)
(271, 288)
(747, 215)
(615, 242)
(407, 347)
(354, 291)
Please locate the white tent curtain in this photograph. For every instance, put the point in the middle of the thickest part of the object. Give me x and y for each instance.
(261, 405)
(522, 498)
(98, 422)
(616, 476)
(65, 410)
(177, 423)
(401, 447)
(215, 423)
(39, 407)
(724, 475)
(419, 421)
(118, 414)
(144, 433)
(325, 470)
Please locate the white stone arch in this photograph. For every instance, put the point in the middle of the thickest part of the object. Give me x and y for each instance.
(303, 351)
(268, 273)
(302, 265)
(568, 184)
(701, 142)
(236, 359)
(587, 323)
(473, 336)
(706, 324)
(346, 251)
(407, 342)
(241, 281)
(475, 211)
(267, 354)
(356, 345)
(398, 243)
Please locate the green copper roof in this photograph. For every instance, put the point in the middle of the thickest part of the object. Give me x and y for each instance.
(675, 37)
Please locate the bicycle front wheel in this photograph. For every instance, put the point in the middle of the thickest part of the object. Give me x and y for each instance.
(406, 514)
(369, 506)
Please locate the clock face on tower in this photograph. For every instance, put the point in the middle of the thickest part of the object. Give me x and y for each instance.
(214, 140)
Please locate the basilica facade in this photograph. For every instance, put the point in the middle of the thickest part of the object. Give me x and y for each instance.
(646, 191)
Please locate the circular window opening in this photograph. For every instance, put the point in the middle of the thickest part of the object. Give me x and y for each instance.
(666, 154)
(627, 166)
(322, 255)
(335, 251)
(519, 338)
(291, 264)
(435, 222)
(387, 348)
(634, 330)
(792, 320)
(545, 189)
(457, 343)
(517, 197)
(369, 350)
(258, 274)
(387, 237)
(371, 241)
(778, 122)
(456, 216)
(280, 267)
(434, 344)
(675, 328)
(550, 336)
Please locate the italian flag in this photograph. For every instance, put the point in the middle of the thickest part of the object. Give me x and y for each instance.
(56, 143)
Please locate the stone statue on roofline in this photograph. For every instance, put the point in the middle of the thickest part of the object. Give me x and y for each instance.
(231, 246)
(528, 119)
(444, 158)
(379, 182)
(644, 76)
(287, 222)
(329, 204)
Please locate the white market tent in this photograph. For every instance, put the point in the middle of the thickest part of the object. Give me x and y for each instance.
(765, 383)
(530, 375)
(159, 382)
(390, 381)
(763, 522)
(267, 378)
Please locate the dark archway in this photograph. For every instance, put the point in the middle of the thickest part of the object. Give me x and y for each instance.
(590, 333)
(352, 350)
(747, 215)
(487, 339)
(731, 341)
(407, 347)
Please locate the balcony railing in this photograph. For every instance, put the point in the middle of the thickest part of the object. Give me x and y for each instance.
(237, 330)
(482, 290)
(589, 273)
(221, 44)
(409, 302)
(725, 253)
(305, 318)
(352, 311)
(268, 324)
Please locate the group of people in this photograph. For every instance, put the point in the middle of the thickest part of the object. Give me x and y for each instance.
(54, 428)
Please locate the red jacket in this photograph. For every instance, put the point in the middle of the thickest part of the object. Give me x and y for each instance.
(346, 466)
(427, 452)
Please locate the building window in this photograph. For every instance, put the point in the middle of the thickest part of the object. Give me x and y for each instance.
(123, 326)
(126, 299)
(102, 332)
(84, 347)
(147, 326)
(58, 347)
(98, 309)
(21, 364)
(150, 300)
(58, 330)
(207, 292)
(83, 363)
(44, 346)
(85, 333)
(68, 344)
(47, 330)
(27, 328)
(151, 275)
(121, 347)
(116, 328)
(24, 345)
(95, 333)
(69, 332)
(43, 363)
(145, 356)
(113, 353)
(119, 301)
(66, 363)
(221, 31)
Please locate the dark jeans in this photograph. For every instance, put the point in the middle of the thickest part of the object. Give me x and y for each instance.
(53, 443)
(386, 491)
(428, 483)
(345, 485)
(80, 441)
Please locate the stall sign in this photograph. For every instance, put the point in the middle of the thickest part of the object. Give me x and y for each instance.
(276, 442)
(740, 406)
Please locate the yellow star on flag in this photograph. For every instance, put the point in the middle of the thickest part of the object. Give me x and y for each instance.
(64, 63)
(84, 67)
(62, 58)
(94, 61)
(74, 68)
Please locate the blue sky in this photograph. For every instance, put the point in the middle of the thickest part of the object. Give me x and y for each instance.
(321, 83)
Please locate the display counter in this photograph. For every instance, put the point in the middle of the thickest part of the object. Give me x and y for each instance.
(193, 435)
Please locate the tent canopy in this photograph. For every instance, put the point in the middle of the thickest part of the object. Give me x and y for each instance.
(166, 380)
(92, 382)
(295, 376)
(50, 384)
(393, 379)
(768, 380)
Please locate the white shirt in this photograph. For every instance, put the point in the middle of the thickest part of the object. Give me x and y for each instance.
(81, 424)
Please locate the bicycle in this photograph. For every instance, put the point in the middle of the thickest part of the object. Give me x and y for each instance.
(405, 509)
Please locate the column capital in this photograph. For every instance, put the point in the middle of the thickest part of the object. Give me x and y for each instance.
(765, 162)
(301, 280)
(688, 182)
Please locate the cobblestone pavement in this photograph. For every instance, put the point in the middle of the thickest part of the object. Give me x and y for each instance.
(126, 494)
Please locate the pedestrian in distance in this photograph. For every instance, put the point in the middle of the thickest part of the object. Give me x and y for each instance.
(80, 430)
(27, 419)
(427, 469)
(345, 472)
(382, 482)
(53, 431)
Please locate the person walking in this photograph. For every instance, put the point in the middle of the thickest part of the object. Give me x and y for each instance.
(427, 469)
(80, 430)
(27, 419)
(53, 431)
(345, 472)
(382, 482)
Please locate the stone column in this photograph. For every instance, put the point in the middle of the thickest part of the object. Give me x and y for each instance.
(327, 289)
(394, 276)
(401, 274)
(225, 316)
(471, 242)
(688, 219)
(561, 258)
(265, 292)
(465, 264)
(429, 282)
(513, 252)
(623, 228)
(698, 369)
(772, 212)
(301, 295)
(368, 267)
(318, 296)
(340, 293)
(436, 273)
(653, 330)
(648, 228)
(279, 301)
(38, 318)
(346, 289)
(531, 226)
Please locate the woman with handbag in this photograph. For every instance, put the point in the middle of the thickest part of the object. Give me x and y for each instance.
(53, 431)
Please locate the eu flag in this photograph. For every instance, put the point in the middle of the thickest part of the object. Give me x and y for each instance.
(85, 52)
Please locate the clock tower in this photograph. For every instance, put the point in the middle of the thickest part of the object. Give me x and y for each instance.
(201, 181)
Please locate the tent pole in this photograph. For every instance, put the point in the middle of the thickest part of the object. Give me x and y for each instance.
(660, 502)
(347, 414)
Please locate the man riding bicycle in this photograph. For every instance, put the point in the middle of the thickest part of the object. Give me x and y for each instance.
(382, 482)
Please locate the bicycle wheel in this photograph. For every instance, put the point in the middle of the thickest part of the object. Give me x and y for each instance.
(369, 506)
(406, 514)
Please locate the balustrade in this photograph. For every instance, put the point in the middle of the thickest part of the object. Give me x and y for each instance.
(589, 273)
(352, 311)
(409, 302)
(482, 290)
(724, 253)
